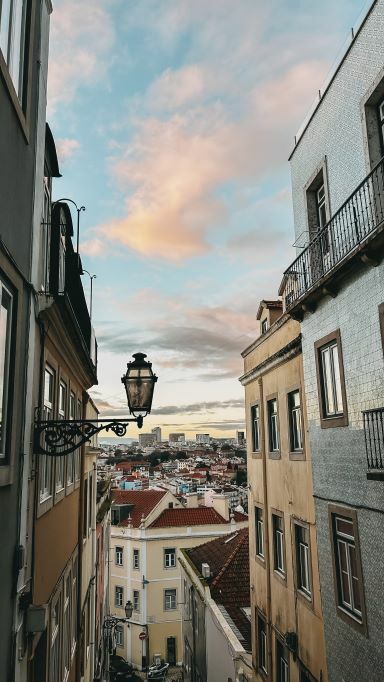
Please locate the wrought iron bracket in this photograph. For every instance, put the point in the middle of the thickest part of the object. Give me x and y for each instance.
(64, 436)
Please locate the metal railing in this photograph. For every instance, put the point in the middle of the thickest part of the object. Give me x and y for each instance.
(355, 220)
(374, 438)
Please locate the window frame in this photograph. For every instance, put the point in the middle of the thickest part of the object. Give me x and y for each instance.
(302, 591)
(273, 454)
(119, 639)
(169, 608)
(119, 587)
(136, 601)
(300, 453)
(359, 624)
(256, 453)
(261, 619)
(336, 420)
(135, 555)
(259, 556)
(60, 462)
(264, 325)
(381, 323)
(279, 572)
(45, 462)
(119, 551)
(171, 552)
(280, 644)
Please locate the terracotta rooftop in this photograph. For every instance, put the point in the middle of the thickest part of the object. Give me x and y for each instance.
(228, 559)
(195, 516)
(142, 501)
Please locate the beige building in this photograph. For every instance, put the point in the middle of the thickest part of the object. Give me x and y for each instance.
(287, 626)
(148, 530)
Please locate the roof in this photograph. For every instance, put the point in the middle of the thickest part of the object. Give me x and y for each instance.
(50, 154)
(228, 559)
(194, 516)
(271, 305)
(142, 501)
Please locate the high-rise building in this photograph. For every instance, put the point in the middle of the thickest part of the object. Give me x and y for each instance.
(203, 438)
(146, 440)
(157, 433)
(176, 438)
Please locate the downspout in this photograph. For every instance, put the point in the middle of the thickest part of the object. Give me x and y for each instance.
(266, 526)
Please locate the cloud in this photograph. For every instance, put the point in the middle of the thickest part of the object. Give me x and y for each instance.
(66, 148)
(195, 408)
(82, 36)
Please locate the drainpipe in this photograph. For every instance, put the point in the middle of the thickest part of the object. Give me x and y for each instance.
(266, 531)
(80, 550)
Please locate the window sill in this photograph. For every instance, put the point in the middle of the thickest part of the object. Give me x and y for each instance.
(352, 620)
(297, 456)
(280, 576)
(305, 598)
(59, 495)
(257, 454)
(44, 505)
(260, 560)
(333, 422)
(274, 454)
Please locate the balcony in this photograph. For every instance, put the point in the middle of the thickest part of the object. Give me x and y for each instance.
(374, 442)
(346, 237)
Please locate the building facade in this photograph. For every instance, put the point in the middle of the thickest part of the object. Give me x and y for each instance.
(148, 529)
(287, 626)
(336, 288)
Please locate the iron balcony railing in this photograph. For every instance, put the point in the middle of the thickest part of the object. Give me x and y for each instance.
(356, 219)
(374, 438)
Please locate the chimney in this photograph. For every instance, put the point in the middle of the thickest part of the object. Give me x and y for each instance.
(221, 504)
(192, 500)
(205, 571)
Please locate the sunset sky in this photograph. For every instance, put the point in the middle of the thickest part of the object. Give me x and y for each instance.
(173, 121)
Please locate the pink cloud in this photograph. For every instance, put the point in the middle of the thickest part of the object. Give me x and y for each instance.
(66, 148)
(82, 36)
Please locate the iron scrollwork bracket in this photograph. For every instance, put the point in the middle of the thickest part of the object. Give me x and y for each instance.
(64, 436)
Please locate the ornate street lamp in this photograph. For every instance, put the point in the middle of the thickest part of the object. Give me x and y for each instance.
(57, 438)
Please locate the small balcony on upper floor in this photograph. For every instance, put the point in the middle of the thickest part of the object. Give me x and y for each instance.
(373, 421)
(354, 233)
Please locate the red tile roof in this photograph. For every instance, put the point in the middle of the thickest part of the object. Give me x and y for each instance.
(228, 559)
(195, 516)
(142, 501)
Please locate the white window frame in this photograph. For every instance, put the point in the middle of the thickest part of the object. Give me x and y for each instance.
(55, 639)
(136, 559)
(348, 542)
(303, 560)
(136, 600)
(119, 555)
(331, 380)
(273, 425)
(259, 532)
(119, 596)
(12, 41)
(169, 557)
(278, 542)
(255, 416)
(60, 473)
(71, 457)
(119, 634)
(67, 624)
(45, 462)
(295, 422)
(170, 599)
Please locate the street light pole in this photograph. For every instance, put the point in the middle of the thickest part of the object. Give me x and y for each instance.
(78, 209)
(91, 277)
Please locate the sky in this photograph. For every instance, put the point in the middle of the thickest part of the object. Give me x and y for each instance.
(173, 122)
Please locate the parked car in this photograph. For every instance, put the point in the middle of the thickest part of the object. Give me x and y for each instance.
(120, 670)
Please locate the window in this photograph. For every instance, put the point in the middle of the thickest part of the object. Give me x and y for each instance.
(119, 633)
(85, 508)
(169, 600)
(119, 556)
(347, 561)
(12, 39)
(330, 375)
(136, 600)
(264, 326)
(321, 207)
(295, 425)
(67, 620)
(91, 503)
(119, 592)
(55, 631)
(77, 452)
(278, 543)
(282, 666)
(273, 426)
(259, 529)
(262, 648)
(303, 563)
(169, 558)
(381, 322)
(46, 232)
(5, 346)
(45, 462)
(74, 609)
(136, 559)
(71, 457)
(60, 461)
(255, 415)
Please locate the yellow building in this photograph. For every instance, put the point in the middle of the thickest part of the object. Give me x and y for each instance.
(148, 529)
(287, 626)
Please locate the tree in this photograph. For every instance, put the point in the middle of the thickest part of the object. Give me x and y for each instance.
(241, 476)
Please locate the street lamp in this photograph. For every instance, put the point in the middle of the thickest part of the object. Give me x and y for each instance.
(57, 438)
(110, 623)
(78, 209)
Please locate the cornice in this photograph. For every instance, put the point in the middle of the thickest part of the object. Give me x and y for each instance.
(288, 352)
